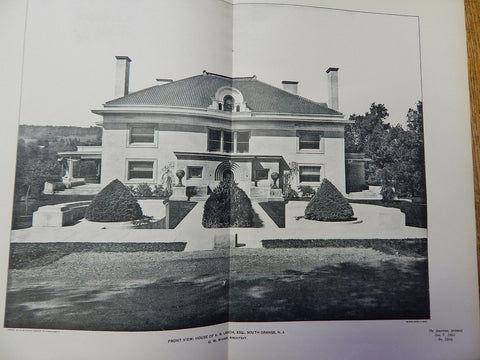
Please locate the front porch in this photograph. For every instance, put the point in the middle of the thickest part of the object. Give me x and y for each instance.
(260, 176)
(81, 166)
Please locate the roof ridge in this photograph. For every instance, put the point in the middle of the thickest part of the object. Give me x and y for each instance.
(206, 73)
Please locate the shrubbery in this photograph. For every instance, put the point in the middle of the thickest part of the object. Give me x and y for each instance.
(306, 190)
(290, 194)
(143, 190)
(114, 203)
(387, 192)
(328, 204)
(227, 206)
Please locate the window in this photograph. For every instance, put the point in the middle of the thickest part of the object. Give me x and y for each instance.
(140, 170)
(227, 141)
(228, 103)
(194, 172)
(309, 173)
(214, 140)
(142, 134)
(261, 174)
(243, 139)
(309, 140)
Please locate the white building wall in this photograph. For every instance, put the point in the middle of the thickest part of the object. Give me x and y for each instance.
(117, 151)
(331, 158)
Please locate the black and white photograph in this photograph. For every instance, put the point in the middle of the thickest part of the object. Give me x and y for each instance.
(218, 179)
(172, 175)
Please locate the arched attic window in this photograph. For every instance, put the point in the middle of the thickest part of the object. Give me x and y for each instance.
(228, 99)
(228, 103)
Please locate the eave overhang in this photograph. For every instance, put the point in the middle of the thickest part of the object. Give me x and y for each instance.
(221, 115)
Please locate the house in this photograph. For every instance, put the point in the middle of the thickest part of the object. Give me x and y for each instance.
(213, 126)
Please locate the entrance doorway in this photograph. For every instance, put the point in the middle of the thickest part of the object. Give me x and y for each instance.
(227, 175)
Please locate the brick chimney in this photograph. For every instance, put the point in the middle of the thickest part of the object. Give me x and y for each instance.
(290, 86)
(122, 76)
(332, 74)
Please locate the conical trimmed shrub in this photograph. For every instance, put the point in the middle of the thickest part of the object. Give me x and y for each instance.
(227, 206)
(114, 203)
(328, 204)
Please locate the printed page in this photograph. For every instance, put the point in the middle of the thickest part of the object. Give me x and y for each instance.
(214, 180)
(97, 284)
(390, 62)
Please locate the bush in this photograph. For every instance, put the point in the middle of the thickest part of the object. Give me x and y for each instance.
(114, 203)
(388, 193)
(143, 190)
(328, 204)
(306, 190)
(290, 194)
(227, 206)
(159, 191)
(191, 191)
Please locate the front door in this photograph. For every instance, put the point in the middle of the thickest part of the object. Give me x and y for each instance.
(227, 175)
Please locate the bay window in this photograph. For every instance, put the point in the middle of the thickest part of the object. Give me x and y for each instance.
(228, 141)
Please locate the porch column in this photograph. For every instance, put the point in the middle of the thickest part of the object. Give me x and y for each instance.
(69, 170)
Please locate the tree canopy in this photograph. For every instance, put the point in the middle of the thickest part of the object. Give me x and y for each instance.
(397, 153)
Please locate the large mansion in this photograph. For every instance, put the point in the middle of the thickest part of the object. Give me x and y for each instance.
(213, 126)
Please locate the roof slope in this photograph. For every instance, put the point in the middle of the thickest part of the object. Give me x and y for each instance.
(198, 91)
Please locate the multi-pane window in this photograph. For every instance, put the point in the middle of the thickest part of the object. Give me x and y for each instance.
(243, 139)
(227, 141)
(140, 170)
(142, 134)
(309, 173)
(194, 172)
(309, 140)
(214, 140)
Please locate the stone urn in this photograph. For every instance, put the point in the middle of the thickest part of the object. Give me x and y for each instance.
(180, 174)
(274, 177)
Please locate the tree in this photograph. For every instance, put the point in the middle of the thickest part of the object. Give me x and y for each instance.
(397, 153)
(114, 203)
(33, 169)
(227, 206)
(363, 134)
(328, 204)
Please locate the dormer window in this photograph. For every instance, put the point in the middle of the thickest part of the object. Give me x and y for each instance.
(228, 103)
(228, 99)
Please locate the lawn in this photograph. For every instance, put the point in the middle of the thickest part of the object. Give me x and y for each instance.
(151, 290)
(178, 211)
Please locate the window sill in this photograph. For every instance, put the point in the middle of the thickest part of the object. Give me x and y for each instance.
(310, 151)
(142, 145)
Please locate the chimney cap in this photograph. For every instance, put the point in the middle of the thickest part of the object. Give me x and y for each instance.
(289, 82)
(332, 69)
(122, 57)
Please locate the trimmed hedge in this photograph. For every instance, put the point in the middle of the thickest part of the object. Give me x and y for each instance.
(328, 204)
(228, 206)
(114, 203)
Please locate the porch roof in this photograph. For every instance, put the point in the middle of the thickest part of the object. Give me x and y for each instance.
(84, 153)
(182, 155)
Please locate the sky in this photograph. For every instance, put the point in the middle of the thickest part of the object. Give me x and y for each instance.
(70, 49)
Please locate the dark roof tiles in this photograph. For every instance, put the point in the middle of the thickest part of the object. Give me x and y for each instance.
(198, 91)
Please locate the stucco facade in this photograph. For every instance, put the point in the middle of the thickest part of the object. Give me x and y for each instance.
(212, 126)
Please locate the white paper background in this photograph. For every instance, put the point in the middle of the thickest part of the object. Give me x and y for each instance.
(451, 231)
